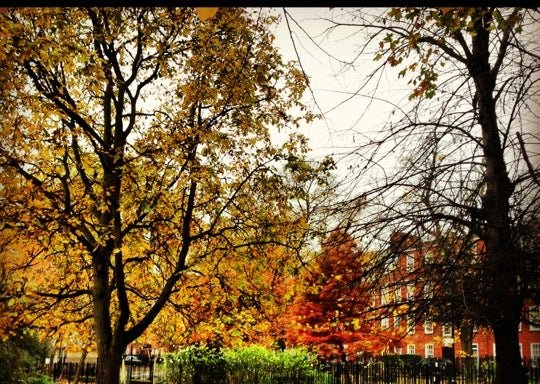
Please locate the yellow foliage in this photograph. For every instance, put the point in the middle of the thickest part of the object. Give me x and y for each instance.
(142, 158)
(206, 13)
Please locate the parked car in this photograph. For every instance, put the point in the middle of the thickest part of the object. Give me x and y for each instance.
(133, 359)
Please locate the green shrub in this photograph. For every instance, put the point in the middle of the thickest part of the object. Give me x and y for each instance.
(40, 379)
(402, 360)
(20, 356)
(254, 365)
(197, 365)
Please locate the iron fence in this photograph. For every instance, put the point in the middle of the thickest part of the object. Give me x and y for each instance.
(424, 371)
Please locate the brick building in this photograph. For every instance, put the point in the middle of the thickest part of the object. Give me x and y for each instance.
(430, 339)
(407, 285)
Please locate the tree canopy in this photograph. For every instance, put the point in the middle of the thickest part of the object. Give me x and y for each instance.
(335, 314)
(136, 146)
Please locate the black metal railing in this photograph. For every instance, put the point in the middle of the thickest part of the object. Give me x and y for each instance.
(375, 371)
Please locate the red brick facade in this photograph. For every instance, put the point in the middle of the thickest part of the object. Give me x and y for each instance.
(429, 339)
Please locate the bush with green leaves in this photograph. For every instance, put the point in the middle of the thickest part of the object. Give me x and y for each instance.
(402, 360)
(254, 364)
(21, 356)
(196, 365)
(39, 379)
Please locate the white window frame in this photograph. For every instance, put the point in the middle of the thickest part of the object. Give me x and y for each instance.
(393, 263)
(411, 349)
(428, 327)
(429, 350)
(409, 264)
(383, 297)
(534, 315)
(535, 354)
(397, 293)
(411, 324)
(410, 292)
(428, 290)
(476, 352)
(385, 323)
(447, 330)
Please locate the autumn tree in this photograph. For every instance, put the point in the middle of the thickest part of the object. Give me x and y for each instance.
(238, 296)
(335, 313)
(468, 141)
(236, 302)
(137, 142)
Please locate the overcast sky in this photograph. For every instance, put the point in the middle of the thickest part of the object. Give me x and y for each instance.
(347, 121)
(344, 124)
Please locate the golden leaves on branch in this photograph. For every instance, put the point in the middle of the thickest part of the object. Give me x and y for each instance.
(206, 13)
(205, 122)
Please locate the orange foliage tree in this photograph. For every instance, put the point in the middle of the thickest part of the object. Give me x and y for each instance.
(335, 314)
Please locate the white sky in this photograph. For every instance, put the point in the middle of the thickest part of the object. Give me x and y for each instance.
(343, 124)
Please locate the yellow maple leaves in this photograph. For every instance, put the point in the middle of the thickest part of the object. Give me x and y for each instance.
(206, 13)
(142, 155)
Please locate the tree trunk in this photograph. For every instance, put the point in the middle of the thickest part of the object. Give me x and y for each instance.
(80, 366)
(504, 302)
(108, 348)
(508, 367)
(109, 366)
(51, 359)
(466, 338)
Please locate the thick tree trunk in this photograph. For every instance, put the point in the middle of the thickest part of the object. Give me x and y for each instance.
(109, 368)
(109, 346)
(466, 338)
(508, 361)
(504, 302)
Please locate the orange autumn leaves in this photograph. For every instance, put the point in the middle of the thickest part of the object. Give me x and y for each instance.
(324, 307)
(332, 315)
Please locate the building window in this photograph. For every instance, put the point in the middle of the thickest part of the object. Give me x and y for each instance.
(386, 297)
(398, 350)
(535, 354)
(397, 293)
(411, 349)
(428, 290)
(447, 330)
(385, 323)
(428, 327)
(412, 325)
(397, 321)
(392, 262)
(475, 351)
(428, 257)
(534, 318)
(410, 292)
(430, 351)
(410, 262)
